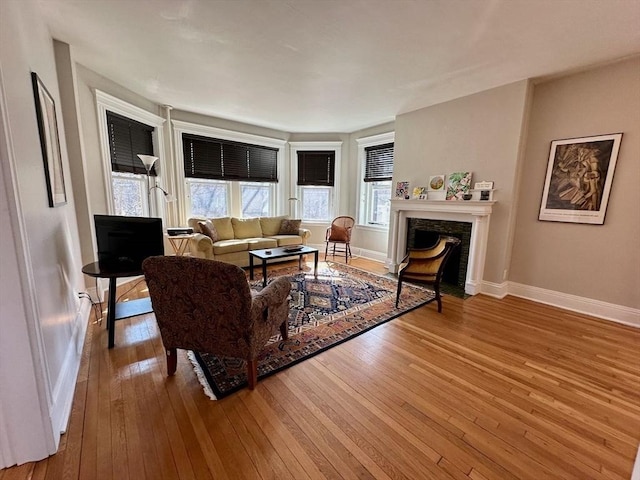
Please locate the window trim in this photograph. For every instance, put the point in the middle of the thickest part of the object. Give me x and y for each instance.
(180, 127)
(371, 141)
(105, 102)
(294, 191)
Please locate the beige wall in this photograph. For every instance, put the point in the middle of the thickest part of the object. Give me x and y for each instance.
(480, 133)
(599, 262)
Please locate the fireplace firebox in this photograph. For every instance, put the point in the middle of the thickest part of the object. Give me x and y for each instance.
(424, 233)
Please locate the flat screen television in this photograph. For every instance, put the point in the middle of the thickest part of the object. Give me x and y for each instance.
(124, 242)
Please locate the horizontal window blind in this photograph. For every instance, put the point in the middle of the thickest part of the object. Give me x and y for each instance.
(127, 139)
(378, 163)
(217, 159)
(316, 168)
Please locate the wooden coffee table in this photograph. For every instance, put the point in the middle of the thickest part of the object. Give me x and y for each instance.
(281, 252)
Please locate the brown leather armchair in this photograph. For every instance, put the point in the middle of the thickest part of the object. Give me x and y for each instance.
(339, 233)
(207, 306)
(425, 265)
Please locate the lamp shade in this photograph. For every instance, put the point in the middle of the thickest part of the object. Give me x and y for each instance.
(147, 160)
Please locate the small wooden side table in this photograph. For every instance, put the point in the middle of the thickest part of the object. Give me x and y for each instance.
(180, 243)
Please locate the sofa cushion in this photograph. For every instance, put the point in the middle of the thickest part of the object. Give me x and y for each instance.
(223, 227)
(246, 227)
(289, 227)
(271, 225)
(229, 246)
(209, 230)
(259, 243)
(284, 240)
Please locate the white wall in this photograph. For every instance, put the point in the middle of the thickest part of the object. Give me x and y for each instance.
(43, 321)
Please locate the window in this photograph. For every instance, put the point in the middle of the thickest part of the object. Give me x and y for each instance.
(376, 166)
(126, 131)
(316, 172)
(208, 198)
(129, 194)
(256, 199)
(212, 168)
(316, 203)
(127, 139)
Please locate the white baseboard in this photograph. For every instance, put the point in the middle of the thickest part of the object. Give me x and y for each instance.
(63, 392)
(588, 306)
(635, 474)
(498, 290)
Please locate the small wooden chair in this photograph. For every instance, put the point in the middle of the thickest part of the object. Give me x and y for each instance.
(339, 233)
(425, 265)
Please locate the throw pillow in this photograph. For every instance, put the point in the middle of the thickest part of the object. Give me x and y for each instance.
(289, 227)
(338, 234)
(246, 227)
(271, 225)
(223, 227)
(209, 230)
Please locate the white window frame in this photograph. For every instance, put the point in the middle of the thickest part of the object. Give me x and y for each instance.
(296, 190)
(278, 190)
(364, 190)
(106, 102)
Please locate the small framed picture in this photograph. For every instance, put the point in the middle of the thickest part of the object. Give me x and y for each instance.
(436, 183)
(402, 190)
(420, 193)
(483, 186)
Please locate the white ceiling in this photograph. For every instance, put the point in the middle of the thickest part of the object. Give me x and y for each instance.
(334, 65)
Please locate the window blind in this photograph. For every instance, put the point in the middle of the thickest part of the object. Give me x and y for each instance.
(217, 159)
(127, 139)
(316, 168)
(378, 163)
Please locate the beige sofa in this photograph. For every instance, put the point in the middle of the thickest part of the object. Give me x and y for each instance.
(236, 236)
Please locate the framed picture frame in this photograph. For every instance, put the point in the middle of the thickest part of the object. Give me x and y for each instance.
(578, 180)
(436, 183)
(402, 190)
(49, 142)
(420, 193)
(459, 185)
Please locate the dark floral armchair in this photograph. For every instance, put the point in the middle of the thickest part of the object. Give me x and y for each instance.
(207, 306)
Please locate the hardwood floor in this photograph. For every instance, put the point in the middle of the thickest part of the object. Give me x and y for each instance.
(489, 389)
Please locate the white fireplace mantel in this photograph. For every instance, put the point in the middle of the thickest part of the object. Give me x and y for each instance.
(476, 212)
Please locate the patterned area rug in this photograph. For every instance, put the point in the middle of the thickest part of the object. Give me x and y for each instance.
(341, 303)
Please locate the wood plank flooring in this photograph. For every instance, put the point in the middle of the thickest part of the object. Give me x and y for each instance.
(489, 389)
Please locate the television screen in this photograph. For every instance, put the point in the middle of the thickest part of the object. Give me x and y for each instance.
(124, 242)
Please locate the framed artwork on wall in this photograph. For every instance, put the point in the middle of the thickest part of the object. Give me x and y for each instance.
(49, 142)
(578, 180)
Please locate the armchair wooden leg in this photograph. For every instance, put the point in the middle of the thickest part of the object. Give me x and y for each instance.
(439, 300)
(326, 250)
(252, 373)
(172, 361)
(398, 292)
(284, 329)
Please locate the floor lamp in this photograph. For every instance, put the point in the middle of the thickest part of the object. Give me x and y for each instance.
(148, 161)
